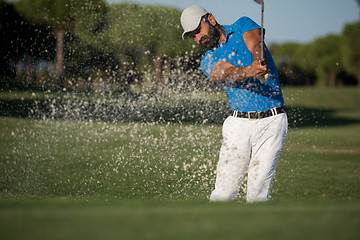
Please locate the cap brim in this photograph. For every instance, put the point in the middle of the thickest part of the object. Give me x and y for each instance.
(190, 29)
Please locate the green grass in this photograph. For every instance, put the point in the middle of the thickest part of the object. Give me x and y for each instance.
(190, 220)
(101, 180)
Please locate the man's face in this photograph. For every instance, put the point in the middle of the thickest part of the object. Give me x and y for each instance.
(206, 35)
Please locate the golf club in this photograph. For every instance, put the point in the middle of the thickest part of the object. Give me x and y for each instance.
(261, 2)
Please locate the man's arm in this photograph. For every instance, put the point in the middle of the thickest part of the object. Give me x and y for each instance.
(225, 71)
(252, 40)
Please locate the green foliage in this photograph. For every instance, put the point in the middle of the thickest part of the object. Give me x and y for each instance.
(54, 13)
(126, 42)
(89, 18)
(136, 30)
(326, 56)
(62, 17)
(351, 49)
(321, 60)
(62, 13)
(292, 63)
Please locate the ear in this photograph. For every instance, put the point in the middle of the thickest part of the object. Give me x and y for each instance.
(212, 20)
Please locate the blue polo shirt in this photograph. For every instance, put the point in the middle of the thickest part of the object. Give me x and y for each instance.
(250, 95)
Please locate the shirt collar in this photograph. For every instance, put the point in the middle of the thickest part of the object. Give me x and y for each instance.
(228, 31)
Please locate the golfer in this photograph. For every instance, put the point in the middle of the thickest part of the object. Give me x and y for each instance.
(256, 129)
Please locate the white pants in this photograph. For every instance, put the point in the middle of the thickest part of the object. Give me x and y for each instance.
(252, 147)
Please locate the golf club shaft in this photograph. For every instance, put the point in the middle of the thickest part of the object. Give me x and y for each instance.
(262, 34)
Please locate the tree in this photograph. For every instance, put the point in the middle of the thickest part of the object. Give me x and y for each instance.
(351, 49)
(327, 59)
(292, 63)
(319, 62)
(62, 16)
(145, 37)
(22, 43)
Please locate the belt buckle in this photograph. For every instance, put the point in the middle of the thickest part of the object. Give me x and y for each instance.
(252, 112)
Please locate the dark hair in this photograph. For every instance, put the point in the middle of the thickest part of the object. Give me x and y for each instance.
(205, 18)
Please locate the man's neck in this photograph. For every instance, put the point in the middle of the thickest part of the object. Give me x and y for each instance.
(222, 35)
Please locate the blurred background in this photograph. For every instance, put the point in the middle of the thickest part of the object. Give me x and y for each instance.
(136, 46)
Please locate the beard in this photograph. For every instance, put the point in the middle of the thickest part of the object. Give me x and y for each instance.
(211, 40)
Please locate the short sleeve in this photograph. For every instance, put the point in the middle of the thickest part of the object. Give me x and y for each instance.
(208, 62)
(245, 24)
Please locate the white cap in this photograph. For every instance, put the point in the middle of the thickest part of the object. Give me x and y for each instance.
(190, 18)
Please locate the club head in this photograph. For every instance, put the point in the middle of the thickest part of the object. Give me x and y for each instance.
(261, 2)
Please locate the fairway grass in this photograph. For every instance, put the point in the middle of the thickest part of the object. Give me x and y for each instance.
(62, 179)
(162, 161)
(178, 220)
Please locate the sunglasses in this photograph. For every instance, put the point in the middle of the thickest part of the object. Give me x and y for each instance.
(192, 34)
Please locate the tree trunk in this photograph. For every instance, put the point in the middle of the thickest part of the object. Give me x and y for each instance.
(59, 35)
(30, 71)
(124, 79)
(157, 63)
(166, 73)
(332, 79)
(19, 69)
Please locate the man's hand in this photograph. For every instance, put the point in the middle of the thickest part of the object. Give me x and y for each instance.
(225, 71)
(256, 70)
